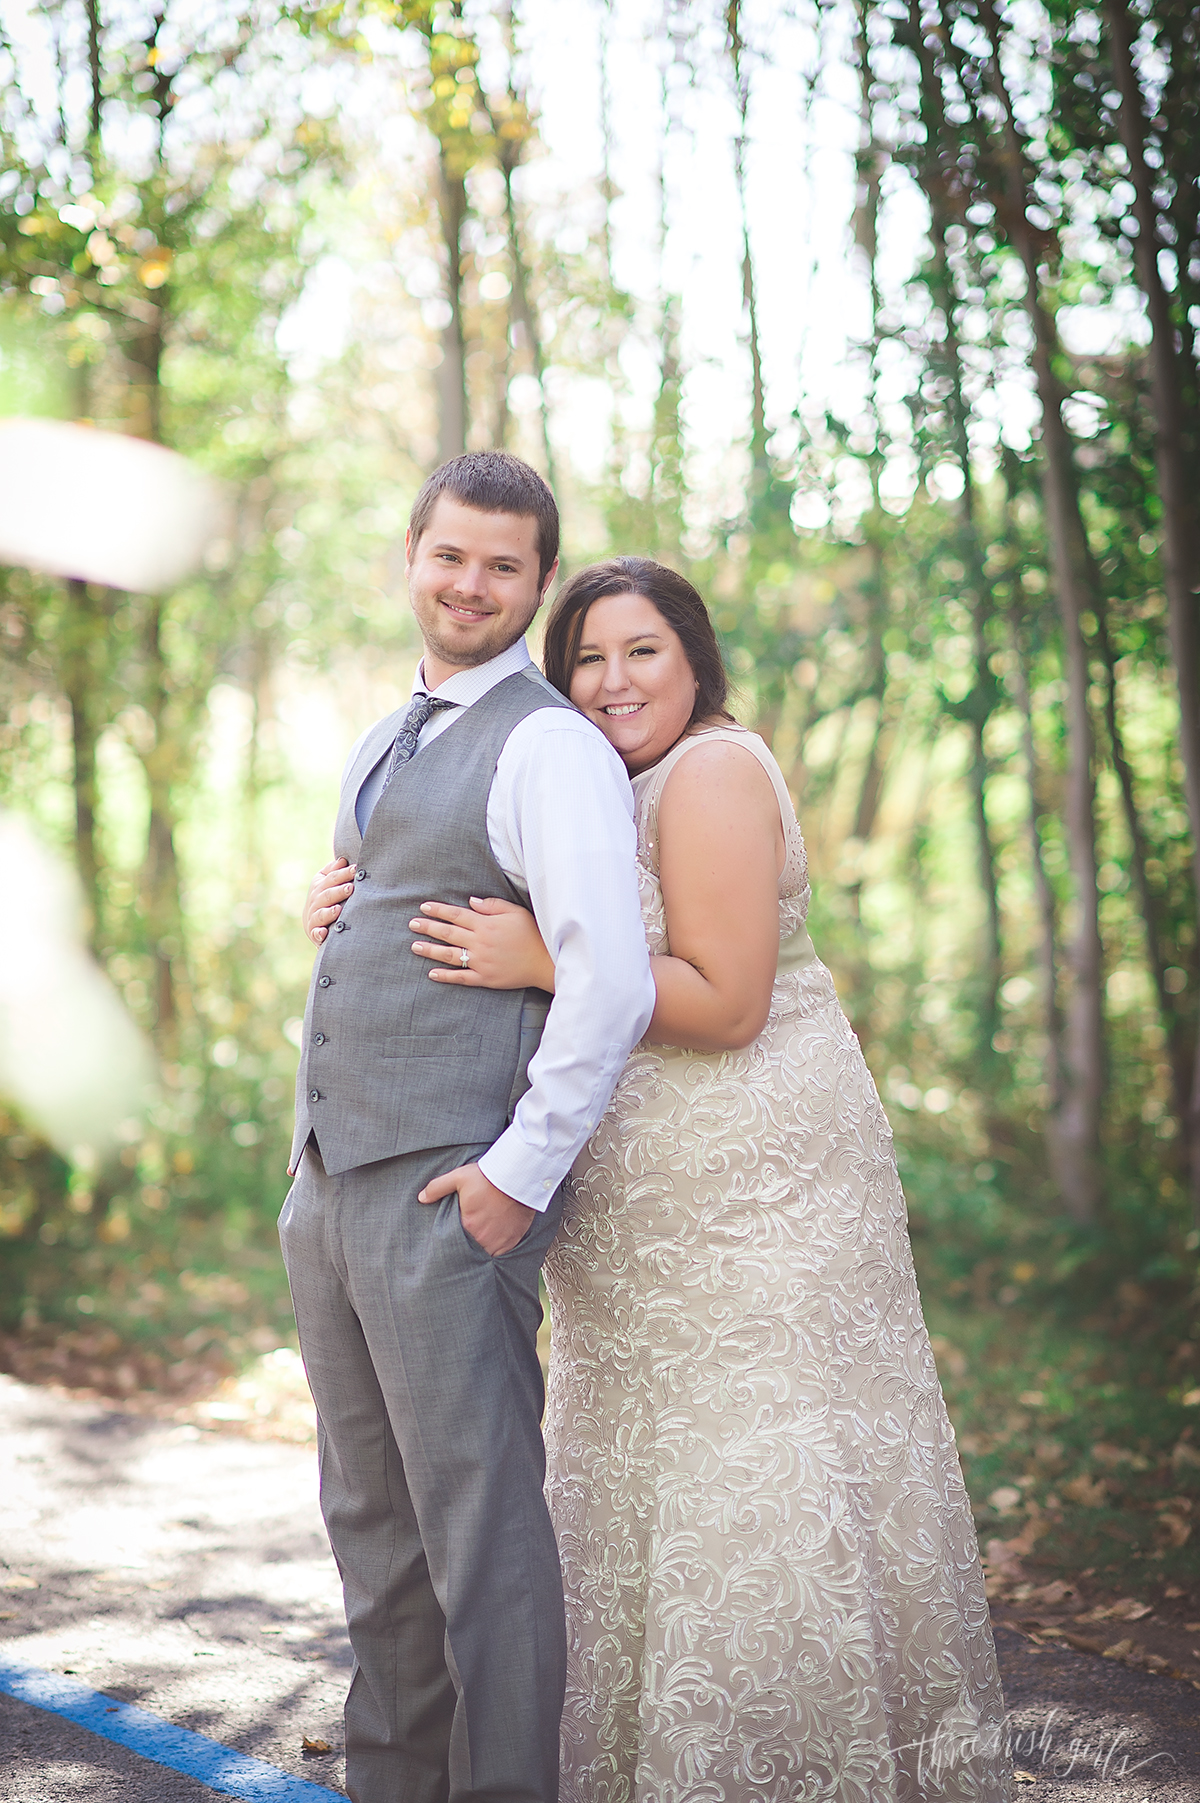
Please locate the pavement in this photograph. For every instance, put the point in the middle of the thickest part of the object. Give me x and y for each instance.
(186, 1570)
(182, 1570)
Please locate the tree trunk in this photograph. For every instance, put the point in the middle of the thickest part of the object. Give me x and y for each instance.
(523, 314)
(161, 906)
(1139, 854)
(1176, 487)
(667, 483)
(760, 467)
(875, 686)
(145, 385)
(870, 165)
(939, 180)
(97, 94)
(452, 372)
(79, 683)
(1075, 1128)
(1042, 889)
(160, 871)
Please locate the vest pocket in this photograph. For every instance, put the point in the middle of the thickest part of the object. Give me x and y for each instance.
(433, 1045)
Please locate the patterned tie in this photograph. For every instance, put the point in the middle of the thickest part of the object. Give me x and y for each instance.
(421, 708)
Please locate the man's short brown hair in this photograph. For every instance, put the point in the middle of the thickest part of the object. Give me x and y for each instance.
(492, 482)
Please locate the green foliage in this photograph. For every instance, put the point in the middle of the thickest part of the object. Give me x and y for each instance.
(1069, 1365)
(905, 658)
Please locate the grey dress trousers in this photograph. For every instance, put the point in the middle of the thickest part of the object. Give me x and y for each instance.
(421, 1352)
(419, 1346)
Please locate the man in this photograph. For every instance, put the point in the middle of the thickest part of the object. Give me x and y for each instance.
(434, 1127)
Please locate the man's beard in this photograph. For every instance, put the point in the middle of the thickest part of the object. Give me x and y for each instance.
(503, 630)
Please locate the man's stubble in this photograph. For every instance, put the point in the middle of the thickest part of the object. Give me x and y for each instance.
(504, 630)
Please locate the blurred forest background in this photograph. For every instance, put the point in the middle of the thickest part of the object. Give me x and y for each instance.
(879, 320)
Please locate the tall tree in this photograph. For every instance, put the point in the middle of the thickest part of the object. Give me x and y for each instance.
(938, 175)
(112, 258)
(1177, 444)
(1075, 1129)
(513, 131)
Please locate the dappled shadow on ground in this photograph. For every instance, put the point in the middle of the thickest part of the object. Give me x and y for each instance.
(49, 1760)
(178, 1569)
(1090, 1730)
(203, 1379)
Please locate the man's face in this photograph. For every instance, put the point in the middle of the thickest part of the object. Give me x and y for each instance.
(473, 585)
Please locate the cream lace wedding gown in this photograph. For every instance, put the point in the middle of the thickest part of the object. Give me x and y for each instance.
(773, 1588)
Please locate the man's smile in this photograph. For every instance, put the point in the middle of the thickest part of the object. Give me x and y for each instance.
(462, 612)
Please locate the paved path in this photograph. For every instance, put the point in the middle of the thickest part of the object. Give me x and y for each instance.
(184, 1571)
(188, 1572)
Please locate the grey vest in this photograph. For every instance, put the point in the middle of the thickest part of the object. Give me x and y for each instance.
(391, 1061)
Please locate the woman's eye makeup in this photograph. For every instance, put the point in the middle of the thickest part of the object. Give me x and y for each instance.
(596, 657)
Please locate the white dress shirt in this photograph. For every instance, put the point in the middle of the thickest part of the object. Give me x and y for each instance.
(560, 825)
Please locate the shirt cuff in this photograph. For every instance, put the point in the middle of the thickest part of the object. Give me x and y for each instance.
(525, 1175)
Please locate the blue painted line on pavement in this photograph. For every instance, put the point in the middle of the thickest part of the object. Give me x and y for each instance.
(194, 1755)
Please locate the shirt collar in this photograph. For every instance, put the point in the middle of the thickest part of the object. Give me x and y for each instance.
(467, 686)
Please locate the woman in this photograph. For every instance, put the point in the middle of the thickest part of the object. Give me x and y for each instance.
(773, 1588)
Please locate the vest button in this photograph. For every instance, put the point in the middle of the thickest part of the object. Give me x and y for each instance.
(360, 876)
(318, 1039)
(324, 982)
(314, 1095)
(341, 926)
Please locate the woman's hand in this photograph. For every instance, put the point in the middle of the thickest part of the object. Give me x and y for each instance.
(503, 946)
(326, 893)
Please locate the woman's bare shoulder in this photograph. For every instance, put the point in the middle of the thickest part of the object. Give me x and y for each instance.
(717, 771)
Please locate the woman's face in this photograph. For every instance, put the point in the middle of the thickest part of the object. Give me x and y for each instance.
(633, 679)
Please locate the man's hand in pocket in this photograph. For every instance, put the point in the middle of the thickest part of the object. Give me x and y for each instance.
(494, 1221)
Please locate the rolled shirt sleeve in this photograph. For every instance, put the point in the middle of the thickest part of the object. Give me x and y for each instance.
(560, 820)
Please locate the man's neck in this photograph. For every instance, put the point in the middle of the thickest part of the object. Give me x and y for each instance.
(435, 670)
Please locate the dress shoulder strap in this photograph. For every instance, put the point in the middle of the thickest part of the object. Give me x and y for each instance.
(648, 787)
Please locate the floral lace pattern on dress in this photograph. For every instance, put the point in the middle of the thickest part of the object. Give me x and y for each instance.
(773, 1584)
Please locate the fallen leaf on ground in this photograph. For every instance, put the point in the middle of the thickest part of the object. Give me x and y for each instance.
(1177, 1530)
(1127, 1608)
(314, 1746)
(1024, 1777)
(1002, 1562)
(1091, 1492)
(1051, 1593)
(1110, 1456)
(949, 1358)
(1082, 1644)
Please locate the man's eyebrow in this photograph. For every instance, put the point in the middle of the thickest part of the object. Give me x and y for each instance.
(446, 544)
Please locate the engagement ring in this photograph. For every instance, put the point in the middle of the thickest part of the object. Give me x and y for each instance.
(464, 957)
